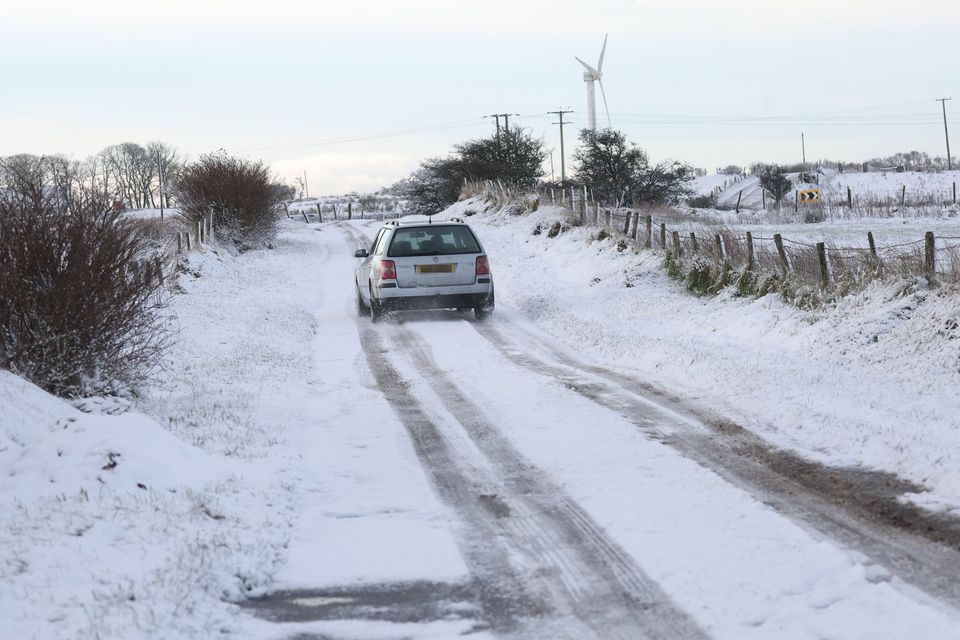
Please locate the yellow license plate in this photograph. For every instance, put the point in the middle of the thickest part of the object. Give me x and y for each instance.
(436, 268)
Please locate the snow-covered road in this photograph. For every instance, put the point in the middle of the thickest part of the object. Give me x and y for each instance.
(300, 472)
(582, 506)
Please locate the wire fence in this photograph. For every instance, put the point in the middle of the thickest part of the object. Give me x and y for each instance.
(713, 254)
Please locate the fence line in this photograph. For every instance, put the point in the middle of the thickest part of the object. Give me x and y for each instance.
(833, 263)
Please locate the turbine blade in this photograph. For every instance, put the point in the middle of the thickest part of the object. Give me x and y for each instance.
(586, 66)
(602, 51)
(605, 107)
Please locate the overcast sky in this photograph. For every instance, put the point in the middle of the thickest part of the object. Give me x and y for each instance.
(357, 92)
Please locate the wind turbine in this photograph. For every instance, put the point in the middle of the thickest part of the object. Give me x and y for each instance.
(590, 76)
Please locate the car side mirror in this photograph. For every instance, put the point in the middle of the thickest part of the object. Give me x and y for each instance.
(360, 253)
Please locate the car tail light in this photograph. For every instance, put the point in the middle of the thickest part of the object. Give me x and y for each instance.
(483, 266)
(388, 270)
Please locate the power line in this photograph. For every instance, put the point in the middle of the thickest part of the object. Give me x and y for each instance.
(443, 126)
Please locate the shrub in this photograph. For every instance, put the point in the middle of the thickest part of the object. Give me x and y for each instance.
(78, 299)
(240, 192)
(774, 180)
(705, 201)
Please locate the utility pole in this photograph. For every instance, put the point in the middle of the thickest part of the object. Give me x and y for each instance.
(506, 123)
(803, 147)
(160, 176)
(943, 101)
(563, 164)
(306, 189)
(497, 117)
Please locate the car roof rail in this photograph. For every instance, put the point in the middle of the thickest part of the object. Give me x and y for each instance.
(392, 223)
(457, 220)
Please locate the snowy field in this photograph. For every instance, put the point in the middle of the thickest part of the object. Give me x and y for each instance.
(268, 456)
(874, 188)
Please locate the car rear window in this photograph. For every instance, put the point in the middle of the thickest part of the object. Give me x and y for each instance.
(435, 240)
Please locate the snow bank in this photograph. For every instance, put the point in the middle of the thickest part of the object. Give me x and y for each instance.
(107, 522)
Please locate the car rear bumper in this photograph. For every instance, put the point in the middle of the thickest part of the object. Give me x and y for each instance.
(436, 301)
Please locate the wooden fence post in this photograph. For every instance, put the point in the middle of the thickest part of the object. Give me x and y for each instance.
(739, 195)
(663, 235)
(636, 224)
(796, 202)
(929, 256)
(849, 198)
(179, 242)
(626, 224)
(286, 210)
(873, 248)
(606, 218)
(350, 210)
(750, 260)
(200, 238)
(678, 251)
(693, 242)
(189, 243)
(954, 193)
(903, 195)
(305, 218)
(649, 242)
(778, 240)
(763, 194)
(596, 212)
(822, 261)
(719, 243)
(319, 213)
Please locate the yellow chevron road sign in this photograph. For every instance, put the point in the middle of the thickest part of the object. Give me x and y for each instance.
(809, 195)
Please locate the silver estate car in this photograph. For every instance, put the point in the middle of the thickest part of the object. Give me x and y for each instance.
(424, 265)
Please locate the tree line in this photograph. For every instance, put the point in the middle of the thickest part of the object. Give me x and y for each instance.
(140, 176)
(616, 170)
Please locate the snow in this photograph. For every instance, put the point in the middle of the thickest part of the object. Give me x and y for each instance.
(742, 569)
(264, 458)
(866, 188)
(869, 381)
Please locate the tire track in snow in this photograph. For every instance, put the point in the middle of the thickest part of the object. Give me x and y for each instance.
(574, 574)
(859, 510)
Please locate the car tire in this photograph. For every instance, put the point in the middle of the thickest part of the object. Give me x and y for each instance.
(362, 310)
(376, 313)
(485, 310)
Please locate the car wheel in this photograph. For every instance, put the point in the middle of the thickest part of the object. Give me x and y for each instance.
(485, 310)
(376, 313)
(362, 309)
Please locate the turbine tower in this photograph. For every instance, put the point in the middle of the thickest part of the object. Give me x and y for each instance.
(590, 76)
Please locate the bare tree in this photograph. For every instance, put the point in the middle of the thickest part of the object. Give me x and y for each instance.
(166, 166)
(25, 181)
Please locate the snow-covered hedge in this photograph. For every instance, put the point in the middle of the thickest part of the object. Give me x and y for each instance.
(77, 299)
